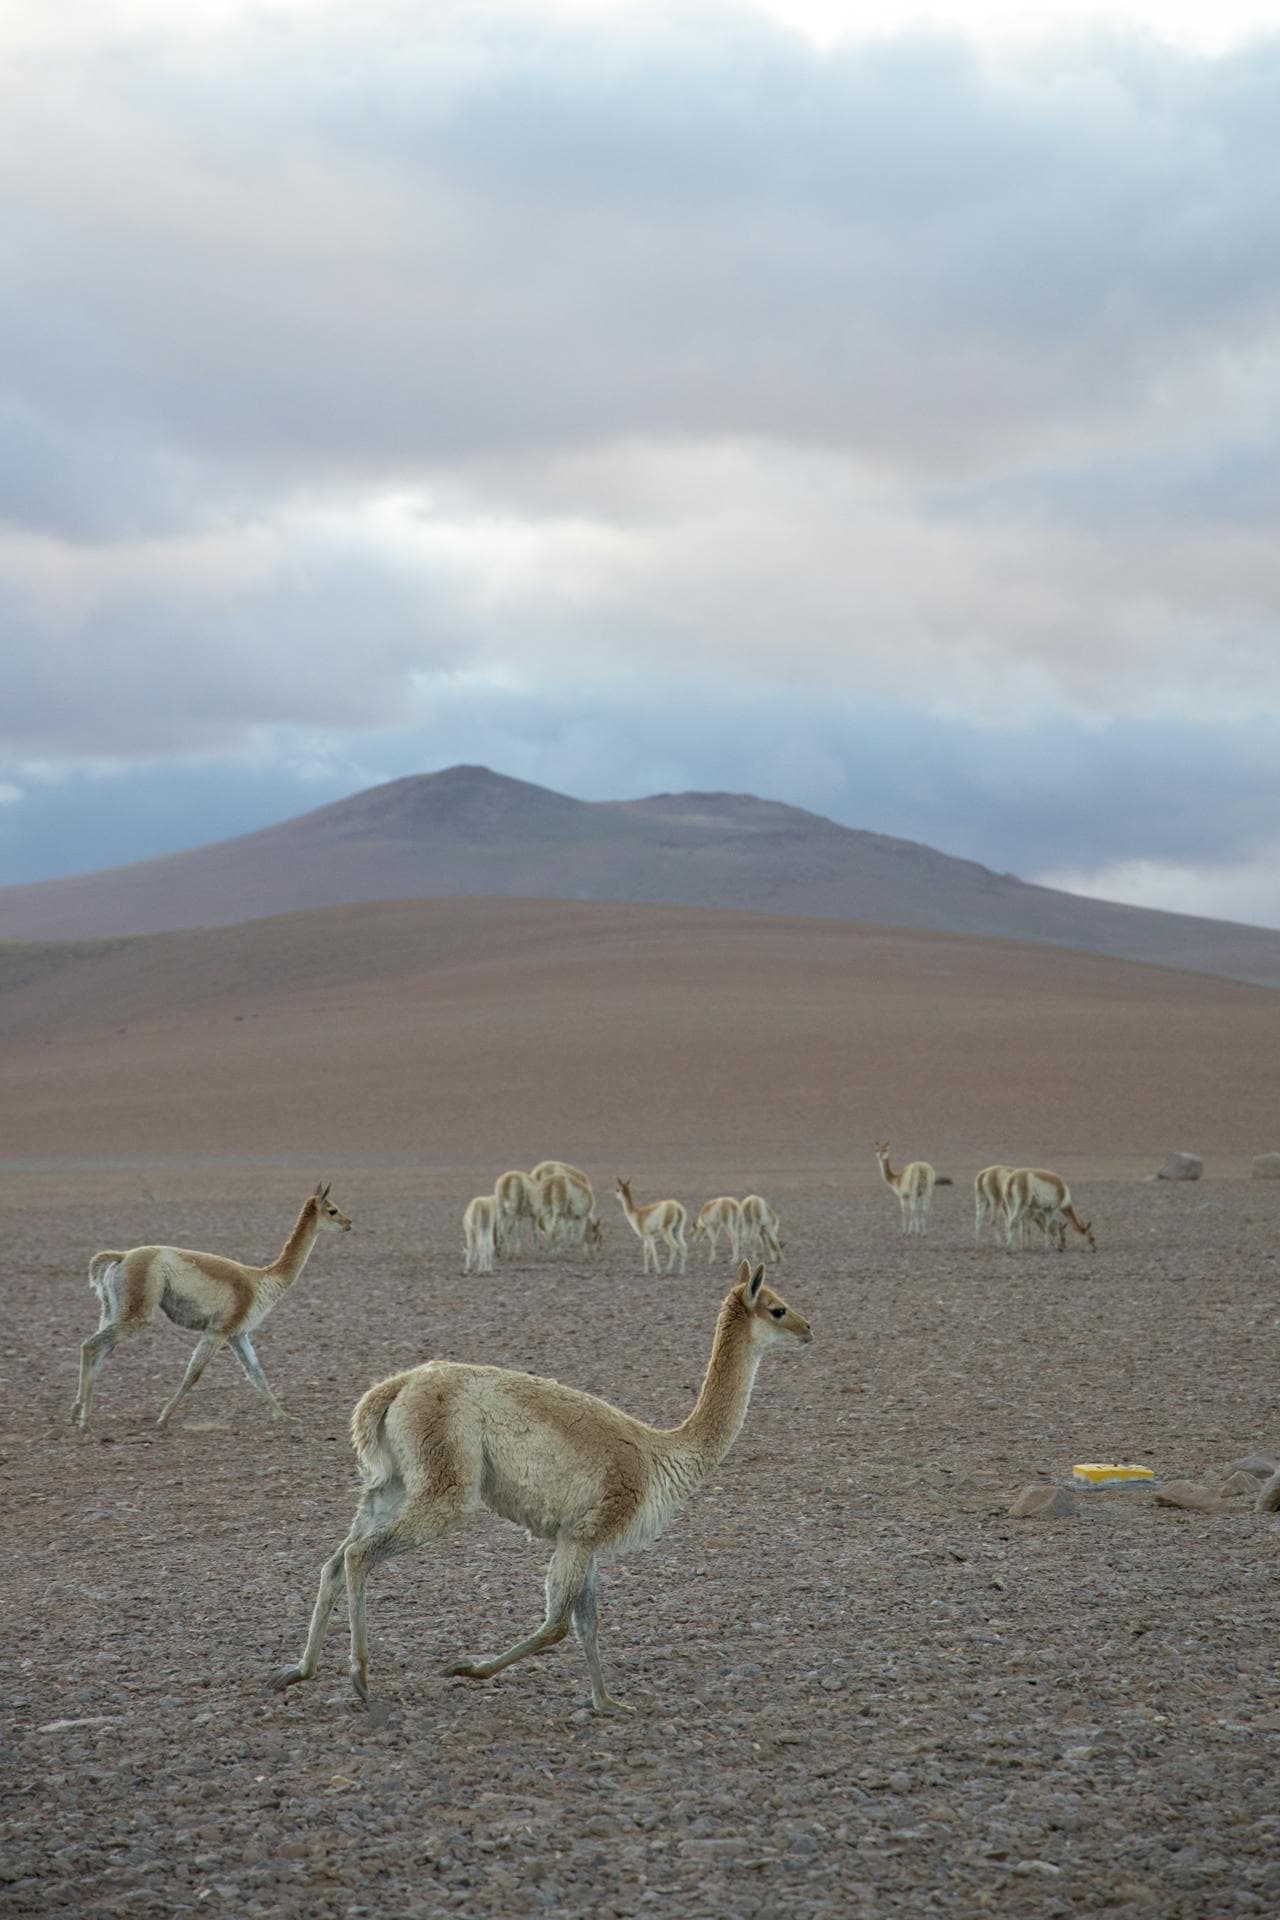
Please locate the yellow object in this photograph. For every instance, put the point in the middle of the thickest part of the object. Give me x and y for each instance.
(1092, 1474)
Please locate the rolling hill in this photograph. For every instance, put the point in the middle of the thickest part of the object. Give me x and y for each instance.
(468, 832)
(496, 1032)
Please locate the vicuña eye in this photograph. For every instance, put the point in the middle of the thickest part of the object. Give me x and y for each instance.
(777, 1312)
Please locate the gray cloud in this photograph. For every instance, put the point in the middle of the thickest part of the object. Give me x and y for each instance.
(390, 387)
(550, 234)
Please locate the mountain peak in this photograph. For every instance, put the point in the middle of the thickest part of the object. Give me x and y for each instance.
(467, 830)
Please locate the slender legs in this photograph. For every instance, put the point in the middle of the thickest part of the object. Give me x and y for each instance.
(330, 1576)
(360, 1557)
(378, 1531)
(571, 1596)
(586, 1620)
(382, 1526)
(99, 1347)
(241, 1345)
(205, 1349)
(94, 1354)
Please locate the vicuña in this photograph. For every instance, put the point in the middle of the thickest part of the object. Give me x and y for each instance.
(220, 1299)
(447, 1440)
(913, 1186)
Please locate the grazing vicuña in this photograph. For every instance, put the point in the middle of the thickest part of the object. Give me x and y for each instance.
(1033, 1193)
(721, 1215)
(480, 1233)
(761, 1228)
(988, 1198)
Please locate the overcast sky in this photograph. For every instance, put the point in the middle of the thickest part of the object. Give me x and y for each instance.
(880, 420)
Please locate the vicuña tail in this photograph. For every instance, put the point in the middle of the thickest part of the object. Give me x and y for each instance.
(98, 1268)
(368, 1432)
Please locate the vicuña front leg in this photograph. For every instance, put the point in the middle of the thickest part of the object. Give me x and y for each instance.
(586, 1620)
(566, 1577)
(242, 1347)
(204, 1352)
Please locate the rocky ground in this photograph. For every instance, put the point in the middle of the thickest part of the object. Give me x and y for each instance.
(860, 1686)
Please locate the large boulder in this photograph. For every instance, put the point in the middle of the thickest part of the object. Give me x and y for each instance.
(1266, 1167)
(1181, 1166)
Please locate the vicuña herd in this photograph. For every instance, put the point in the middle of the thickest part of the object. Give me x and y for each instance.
(552, 1209)
(1009, 1197)
(446, 1440)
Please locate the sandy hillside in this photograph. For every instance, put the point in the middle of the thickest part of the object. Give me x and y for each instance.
(450, 1031)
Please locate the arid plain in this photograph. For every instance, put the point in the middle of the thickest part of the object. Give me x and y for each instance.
(860, 1686)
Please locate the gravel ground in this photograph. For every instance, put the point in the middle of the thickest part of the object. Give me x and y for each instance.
(860, 1686)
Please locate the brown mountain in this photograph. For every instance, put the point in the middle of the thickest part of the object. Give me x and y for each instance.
(467, 831)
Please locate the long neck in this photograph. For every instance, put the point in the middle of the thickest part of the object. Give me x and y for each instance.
(887, 1173)
(721, 1407)
(290, 1261)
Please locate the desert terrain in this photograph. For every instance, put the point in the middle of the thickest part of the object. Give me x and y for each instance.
(860, 1687)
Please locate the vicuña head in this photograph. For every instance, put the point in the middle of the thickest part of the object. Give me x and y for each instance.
(328, 1216)
(774, 1323)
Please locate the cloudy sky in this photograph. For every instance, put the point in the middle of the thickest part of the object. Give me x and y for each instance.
(881, 418)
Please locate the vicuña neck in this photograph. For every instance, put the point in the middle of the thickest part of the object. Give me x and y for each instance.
(887, 1173)
(721, 1407)
(289, 1263)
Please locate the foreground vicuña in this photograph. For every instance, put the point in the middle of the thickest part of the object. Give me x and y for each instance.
(446, 1440)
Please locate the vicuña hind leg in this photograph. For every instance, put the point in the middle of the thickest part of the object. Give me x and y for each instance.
(94, 1355)
(330, 1578)
(566, 1577)
(382, 1526)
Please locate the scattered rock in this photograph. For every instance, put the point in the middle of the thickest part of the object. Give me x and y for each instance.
(85, 1720)
(1268, 1500)
(1182, 1166)
(1190, 1495)
(1260, 1465)
(1265, 1167)
(1043, 1503)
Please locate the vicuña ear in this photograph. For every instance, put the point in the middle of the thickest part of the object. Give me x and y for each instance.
(322, 1192)
(744, 1274)
(754, 1285)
